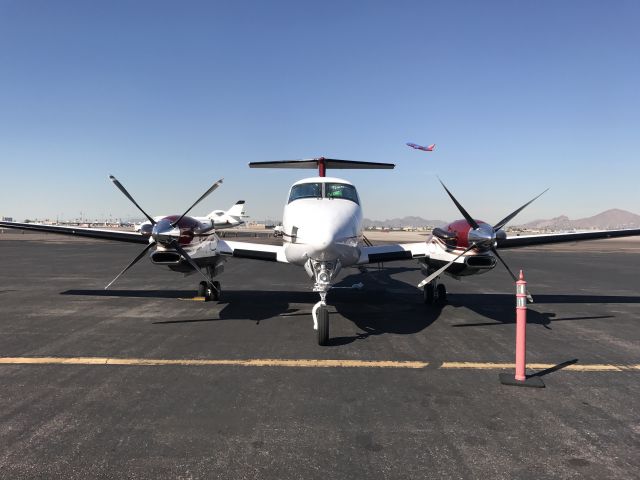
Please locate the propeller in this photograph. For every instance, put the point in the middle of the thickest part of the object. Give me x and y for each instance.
(126, 194)
(515, 279)
(461, 209)
(481, 236)
(135, 260)
(440, 270)
(164, 232)
(204, 195)
(510, 217)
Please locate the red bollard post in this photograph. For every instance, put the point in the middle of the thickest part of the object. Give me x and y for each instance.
(521, 328)
(520, 379)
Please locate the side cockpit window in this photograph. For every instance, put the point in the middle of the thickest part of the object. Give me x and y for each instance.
(305, 190)
(341, 191)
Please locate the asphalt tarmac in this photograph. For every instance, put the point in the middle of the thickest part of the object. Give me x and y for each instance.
(144, 382)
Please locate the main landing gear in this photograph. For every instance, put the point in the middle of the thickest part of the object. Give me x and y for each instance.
(210, 291)
(435, 293)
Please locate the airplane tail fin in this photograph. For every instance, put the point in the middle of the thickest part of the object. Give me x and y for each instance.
(237, 210)
(231, 218)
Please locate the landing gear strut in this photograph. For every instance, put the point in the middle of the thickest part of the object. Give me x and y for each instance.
(323, 273)
(320, 315)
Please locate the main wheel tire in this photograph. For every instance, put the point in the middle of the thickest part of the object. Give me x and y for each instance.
(202, 289)
(323, 326)
(428, 294)
(442, 294)
(216, 291)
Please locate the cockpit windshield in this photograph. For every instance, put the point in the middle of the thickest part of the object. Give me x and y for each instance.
(305, 190)
(341, 190)
(332, 191)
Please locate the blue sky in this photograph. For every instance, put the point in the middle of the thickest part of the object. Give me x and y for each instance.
(170, 96)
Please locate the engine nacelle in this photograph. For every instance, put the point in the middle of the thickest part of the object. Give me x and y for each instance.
(164, 231)
(456, 234)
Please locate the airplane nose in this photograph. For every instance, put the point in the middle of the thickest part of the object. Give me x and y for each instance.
(323, 239)
(321, 244)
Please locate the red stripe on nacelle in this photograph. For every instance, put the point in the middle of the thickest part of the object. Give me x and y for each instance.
(461, 229)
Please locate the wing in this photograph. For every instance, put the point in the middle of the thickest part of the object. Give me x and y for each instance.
(544, 239)
(102, 234)
(254, 251)
(392, 252)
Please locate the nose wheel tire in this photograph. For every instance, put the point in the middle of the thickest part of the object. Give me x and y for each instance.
(217, 290)
(323, 326)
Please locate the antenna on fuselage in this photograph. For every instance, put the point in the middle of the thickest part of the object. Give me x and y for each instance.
(322, 164)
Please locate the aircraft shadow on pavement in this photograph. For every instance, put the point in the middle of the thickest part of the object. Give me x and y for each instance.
(383, 305)
(500, 307)
(132, 293)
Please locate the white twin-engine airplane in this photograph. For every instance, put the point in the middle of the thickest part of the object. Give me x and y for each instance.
(322, 232)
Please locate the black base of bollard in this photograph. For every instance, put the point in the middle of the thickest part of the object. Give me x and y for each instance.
(509, 379)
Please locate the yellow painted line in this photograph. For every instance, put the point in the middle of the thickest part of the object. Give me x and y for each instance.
(540, 366)
(194, 299)
(308, 363)
(305, 363)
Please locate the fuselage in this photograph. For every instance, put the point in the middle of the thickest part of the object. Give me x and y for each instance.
(322, 221)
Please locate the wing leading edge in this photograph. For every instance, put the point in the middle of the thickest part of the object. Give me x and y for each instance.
(550, 238)
(253, 251)
(102, 234)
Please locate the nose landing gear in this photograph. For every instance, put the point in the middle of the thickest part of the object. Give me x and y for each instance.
(320, 314)
(323, 273)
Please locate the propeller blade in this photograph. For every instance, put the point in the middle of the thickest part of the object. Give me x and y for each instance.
(204, 195)
(174, 244)
(515, 279)
(135, 260)
(464, 213)
(126, 194)
(440, 270)
(509, 217)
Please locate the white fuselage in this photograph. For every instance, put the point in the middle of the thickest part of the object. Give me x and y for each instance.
(324, 225)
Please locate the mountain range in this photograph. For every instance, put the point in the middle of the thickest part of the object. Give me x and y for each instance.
(402, 222)
(609, 219)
